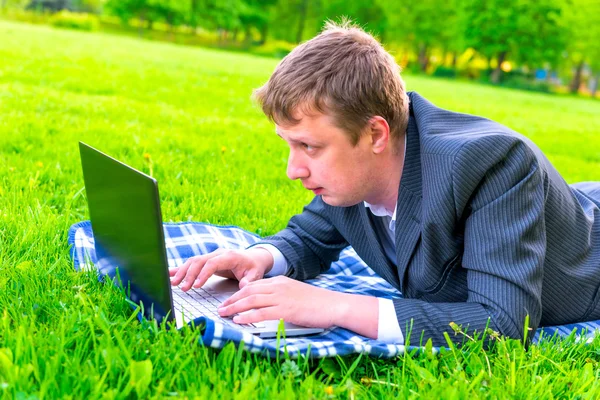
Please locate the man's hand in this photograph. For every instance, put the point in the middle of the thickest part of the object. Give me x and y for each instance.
(244, 265)
(302, 304)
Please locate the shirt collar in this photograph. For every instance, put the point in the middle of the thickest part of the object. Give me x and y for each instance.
(381, 211)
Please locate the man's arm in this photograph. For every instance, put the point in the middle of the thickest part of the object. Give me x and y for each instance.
(303, 304)
(388, 330)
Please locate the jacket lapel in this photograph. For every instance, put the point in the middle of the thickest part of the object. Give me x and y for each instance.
(408, 210)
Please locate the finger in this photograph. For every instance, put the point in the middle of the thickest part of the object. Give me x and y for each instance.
(200, 273)
(262, 314)
(193, 268)
(226, 274)
(190, 277)
(181, 271)
(248, 290)
(272, 281)
(250, 276)
(173, 270)
(254, 301)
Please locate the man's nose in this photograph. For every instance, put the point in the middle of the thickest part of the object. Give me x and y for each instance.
(296, 169)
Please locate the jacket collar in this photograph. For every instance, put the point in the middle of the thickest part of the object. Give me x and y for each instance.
(408, 209)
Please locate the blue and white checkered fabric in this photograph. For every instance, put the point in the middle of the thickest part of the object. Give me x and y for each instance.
(349, 274)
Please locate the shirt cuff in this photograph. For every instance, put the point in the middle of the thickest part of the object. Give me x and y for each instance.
(280, 265)
(388, 329)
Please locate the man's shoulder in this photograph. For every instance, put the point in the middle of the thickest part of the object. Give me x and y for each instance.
(448, 132)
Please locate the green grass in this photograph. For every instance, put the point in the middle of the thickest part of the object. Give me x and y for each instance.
(63, 334)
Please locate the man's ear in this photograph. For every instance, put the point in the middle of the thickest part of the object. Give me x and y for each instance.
(379, 130)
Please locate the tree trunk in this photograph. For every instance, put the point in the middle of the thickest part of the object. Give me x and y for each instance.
(264, 31)
(141, 17)
(149, 16)
(454, 59)
(222, 35)
(171, 23)
(195, 6)
(576, 82)
(423, 57)
(171, 32)
(594, 87)
(302, 20)
(497, 72)
(247, 36)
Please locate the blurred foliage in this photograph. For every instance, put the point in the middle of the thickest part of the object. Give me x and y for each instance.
(530, 31)
(444, 72)
(59, 5)
(72, 20)
(449, 38)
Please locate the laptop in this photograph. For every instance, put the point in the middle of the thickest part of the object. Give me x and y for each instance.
(126, 220)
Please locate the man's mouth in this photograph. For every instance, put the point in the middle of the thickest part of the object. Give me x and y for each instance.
(315, 190)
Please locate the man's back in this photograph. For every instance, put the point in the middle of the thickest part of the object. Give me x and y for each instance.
(481, 152)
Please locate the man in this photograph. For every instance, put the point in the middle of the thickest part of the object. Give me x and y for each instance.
(465, 217)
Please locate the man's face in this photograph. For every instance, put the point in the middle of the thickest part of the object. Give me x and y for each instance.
(327, 163)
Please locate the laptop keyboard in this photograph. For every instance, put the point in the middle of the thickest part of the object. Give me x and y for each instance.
(201, 303)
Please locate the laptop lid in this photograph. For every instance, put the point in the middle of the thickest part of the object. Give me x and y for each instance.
(126, 219)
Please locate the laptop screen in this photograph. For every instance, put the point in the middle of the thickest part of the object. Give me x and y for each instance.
(127, 223)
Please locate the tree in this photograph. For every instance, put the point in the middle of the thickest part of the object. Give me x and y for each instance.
(50, 5)
(303, 10)
(14, 3)
(173, 12)
(423, 26)
(369, 15)
(128, 9)
(89, 6)
(529, 32)
(220, 15)
(541, 36)
(255, 14)
(582, 27)
(295, 20)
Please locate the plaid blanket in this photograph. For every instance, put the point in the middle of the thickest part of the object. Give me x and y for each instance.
(349, 274)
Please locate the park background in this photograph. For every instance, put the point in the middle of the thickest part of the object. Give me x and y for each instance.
(545, 45)
(148, 94)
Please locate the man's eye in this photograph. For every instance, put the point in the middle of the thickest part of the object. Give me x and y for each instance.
(307, 147)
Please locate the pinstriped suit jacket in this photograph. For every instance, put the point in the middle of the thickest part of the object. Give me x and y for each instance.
(486, 229)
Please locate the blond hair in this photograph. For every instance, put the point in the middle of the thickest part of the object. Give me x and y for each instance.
(344, 72)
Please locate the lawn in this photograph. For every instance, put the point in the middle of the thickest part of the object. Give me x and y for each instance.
(185, 115)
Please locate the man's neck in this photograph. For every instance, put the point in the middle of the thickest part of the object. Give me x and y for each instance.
(392, 187)
(387, 193)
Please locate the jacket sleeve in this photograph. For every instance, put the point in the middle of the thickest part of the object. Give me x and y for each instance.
(310, 242)
(500, 191)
